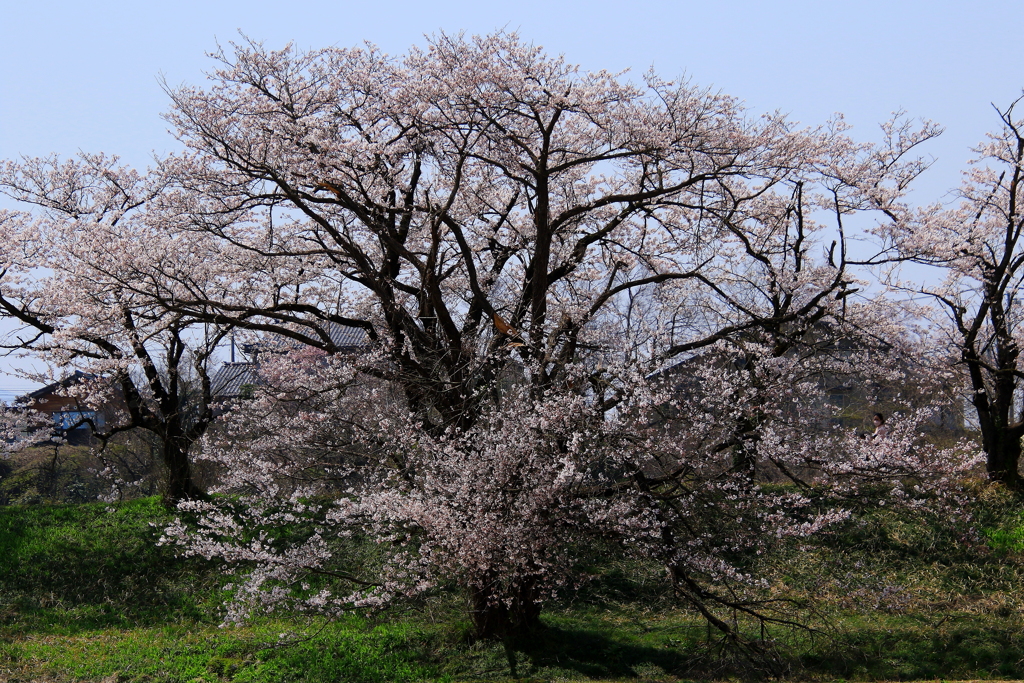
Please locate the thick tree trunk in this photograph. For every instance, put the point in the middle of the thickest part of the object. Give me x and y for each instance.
(180, 482)
(496, 619)
(1000, 436)
(1003, 457)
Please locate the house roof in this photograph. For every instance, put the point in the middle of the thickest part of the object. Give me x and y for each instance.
(347, 337)
(72, 379)
(229, 379)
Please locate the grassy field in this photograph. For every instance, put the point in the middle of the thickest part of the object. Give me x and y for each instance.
(86, 595)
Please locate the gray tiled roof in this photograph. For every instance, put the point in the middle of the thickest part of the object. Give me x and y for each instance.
(227, 382)
(347, 338)
(229, 379)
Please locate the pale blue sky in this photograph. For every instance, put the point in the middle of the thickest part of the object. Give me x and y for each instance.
(80, 76)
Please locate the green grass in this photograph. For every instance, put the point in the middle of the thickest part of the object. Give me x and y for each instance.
(1009, 537)
(86, 595)
(69, 567)
(915, 647)
(337, 652)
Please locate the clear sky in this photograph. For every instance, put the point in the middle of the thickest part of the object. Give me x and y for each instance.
(86, 76)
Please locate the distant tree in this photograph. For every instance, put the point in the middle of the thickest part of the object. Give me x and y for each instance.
(81, 281)
(979, 311)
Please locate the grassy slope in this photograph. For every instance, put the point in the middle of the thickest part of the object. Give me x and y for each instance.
(85, 594)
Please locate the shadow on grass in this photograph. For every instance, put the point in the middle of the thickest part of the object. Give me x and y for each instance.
(591, 654)
(971, 647)
(892, 648)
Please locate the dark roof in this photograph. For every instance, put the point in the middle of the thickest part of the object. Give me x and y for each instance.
(229, 379)
(72, 379)
(347, 337)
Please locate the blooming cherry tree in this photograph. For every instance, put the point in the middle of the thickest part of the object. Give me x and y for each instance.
(527, 245)
(977, 304)
(84, 282)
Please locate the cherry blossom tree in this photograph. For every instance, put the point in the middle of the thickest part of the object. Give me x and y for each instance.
(978, 308)
(81, 281)
(526, 244)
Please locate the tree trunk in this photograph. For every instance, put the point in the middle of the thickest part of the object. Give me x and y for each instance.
(180, 482)
(494, 619)
(1002, 457)
(1000, 437)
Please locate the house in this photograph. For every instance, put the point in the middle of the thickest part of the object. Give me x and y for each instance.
(70, 418)
(237, 380)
